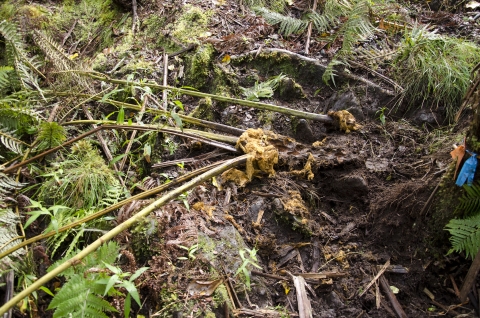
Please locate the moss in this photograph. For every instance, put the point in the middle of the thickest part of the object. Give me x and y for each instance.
(7, 10)
(95, 20)
(153, 39)
(191, 25)
(139, 65)
(204, 109)
(200, 64)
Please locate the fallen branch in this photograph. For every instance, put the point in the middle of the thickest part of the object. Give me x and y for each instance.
(470, 278)
(199, 135)
(120, 228)
(185, 118)
(375, 278)
(393, 299)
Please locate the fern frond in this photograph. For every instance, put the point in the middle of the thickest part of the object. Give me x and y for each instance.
(77, 298)
(330, 73)
(7, 138)
(470, 201)
(373, 56)
(14, 115)
(330, 17)
(4, 78)
(465, 235)
(357, 28)
(107, 253)
(8, 234)
(27, 69)
(53, 51)
(288, 25)
(8, 184)
(51, 134)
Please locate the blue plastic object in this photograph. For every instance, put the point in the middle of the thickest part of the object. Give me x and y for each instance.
(468, 170)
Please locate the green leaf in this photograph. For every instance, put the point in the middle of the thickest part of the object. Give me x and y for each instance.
(132, 290)
(46, 290)
(121, 116)
(189, 88)
(178, 120)
(117, 158)
(139, 272)
(127, 306)
(34, 216)
(106, 96)
(178, 104)
(110, 283)
(114, 269)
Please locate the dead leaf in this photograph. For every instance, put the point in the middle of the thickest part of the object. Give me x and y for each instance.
(199, 288)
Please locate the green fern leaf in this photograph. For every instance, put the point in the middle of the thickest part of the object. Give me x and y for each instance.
(465, 235)
(470, 201)
(288, 25)
(358, 27)
(76, 298)
(4, 76)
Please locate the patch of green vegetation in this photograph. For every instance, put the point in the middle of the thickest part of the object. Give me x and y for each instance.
(191, 25)
(143, 235)
(95, 19)
(82, 180)
(199, 67)
(204, 109)
(152, 36)
(435, 69)
(7, 10)
(139, 65)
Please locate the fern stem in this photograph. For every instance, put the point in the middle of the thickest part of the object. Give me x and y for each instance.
(118, 205)
(194, 133)
(110, 124)
(258, 105)
(122, 227)
(185, 118)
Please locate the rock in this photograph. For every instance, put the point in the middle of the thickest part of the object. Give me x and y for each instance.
(334, 300)
(256, 206)
(345, 101)
(304, 131)
(425, 116)
(357, 113)
(288, 89)
(355, 185)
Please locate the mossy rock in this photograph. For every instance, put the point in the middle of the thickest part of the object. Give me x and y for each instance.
(199, 66)
(192, 24)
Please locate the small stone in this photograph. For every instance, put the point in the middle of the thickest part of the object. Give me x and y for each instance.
(304, 131)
